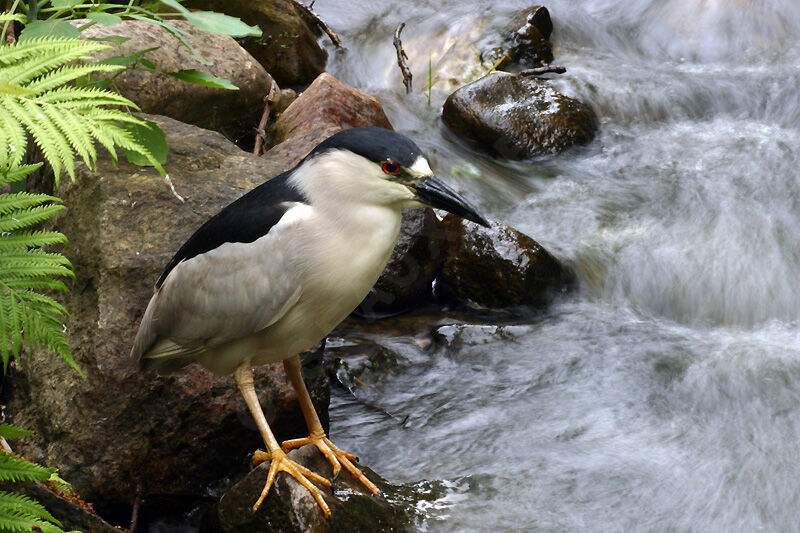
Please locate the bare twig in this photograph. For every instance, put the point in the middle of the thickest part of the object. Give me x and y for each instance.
(261, 132)
(135, 511)
(402, 57)
(543, 70)
(307, 9)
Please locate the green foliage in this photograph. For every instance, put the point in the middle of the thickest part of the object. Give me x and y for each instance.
(19, 513)
(26, 269)
(37, 97)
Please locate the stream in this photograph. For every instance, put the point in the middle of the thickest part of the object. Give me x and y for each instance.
(664, 393)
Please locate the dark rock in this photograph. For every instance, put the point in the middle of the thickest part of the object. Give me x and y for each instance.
(529, 43)
(229, 112)
(406, 281)
(288, 46)
(539, 18)
(497, 267)
(70, 511)
(120, 428)
(518, 117)
(289, 507)
(327, 106)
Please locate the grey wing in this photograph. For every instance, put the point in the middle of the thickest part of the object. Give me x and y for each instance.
(216, 297)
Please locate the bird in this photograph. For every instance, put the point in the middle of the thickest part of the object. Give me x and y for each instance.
(274, 272)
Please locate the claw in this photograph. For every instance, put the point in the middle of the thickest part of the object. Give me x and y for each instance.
(338, 458)
(279, 462)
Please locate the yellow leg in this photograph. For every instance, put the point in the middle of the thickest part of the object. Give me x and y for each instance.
(337, 457)
(279, 462)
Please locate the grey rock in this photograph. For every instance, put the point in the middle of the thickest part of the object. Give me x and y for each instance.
(232, 113)
(498, 267)
(518, 117)
(288, 46)
(120, 428)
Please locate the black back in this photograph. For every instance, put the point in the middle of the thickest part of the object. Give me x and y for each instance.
(375, 144)
(245, 220)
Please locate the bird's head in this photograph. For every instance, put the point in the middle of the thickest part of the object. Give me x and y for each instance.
(379, 166)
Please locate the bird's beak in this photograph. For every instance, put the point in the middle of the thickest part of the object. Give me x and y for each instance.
(435, 193)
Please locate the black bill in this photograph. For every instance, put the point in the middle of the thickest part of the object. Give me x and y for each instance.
(436, 194)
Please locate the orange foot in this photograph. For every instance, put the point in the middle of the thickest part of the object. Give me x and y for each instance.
(337, 457)
(279, 462)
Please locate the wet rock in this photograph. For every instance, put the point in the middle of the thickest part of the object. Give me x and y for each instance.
(288, 46)
(518, 117)
(524, 43)
(529, 43)
(226, 111)
(407, 279)
(327, 106)
(497, 267)
(118, 427)
(289, 507)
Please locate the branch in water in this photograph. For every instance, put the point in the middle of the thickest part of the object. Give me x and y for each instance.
(307, 9)
(402, 57)
(543, 70)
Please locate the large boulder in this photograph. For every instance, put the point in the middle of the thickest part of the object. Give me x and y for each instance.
(119, 431)
(497, 267)
(325, 107)
(288, 46)
(289, 507)
(518, 117)
(230, 112)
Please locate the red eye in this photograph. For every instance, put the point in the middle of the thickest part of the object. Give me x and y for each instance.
(390, 167)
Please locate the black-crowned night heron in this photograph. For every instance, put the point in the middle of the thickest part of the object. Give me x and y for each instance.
(275, 271)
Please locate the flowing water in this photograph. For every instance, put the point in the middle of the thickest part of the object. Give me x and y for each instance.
(664, 393)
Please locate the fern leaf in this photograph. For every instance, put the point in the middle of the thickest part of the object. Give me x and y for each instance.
(13, 139)
(12, 174)
(30, 239)
(22, 200)
(10, 501)
(14, 468)
(76, 134)
(43, 283)
(49, 59)
(44, 106)
(78, 97)
(63, 75)
(28, 217)
(7, 431)
(46, 47)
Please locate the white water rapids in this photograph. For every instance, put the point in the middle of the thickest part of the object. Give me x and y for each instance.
(663, 394)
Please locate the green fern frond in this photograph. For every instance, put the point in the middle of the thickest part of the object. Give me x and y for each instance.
(64, 121)
(7, 431)
(27, 239)
(25, 268)
(10, 501)
(22, 200)
(14, 468)
(24, 218)
(64, 75)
